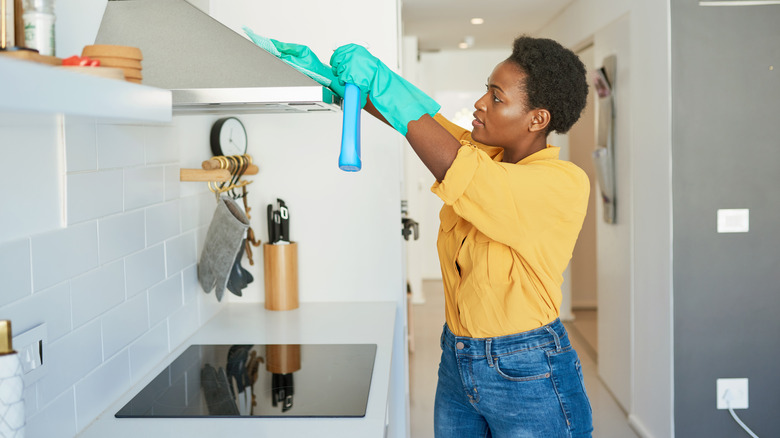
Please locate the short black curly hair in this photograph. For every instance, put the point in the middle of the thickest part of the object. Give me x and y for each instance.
(555, 79)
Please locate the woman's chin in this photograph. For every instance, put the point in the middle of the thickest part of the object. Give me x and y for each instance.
(478, 135)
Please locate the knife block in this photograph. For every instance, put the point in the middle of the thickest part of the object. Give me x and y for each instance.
(280, 264)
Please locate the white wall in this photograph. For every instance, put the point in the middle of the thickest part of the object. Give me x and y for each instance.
(649, 133)
(117, 285)
(613, 243)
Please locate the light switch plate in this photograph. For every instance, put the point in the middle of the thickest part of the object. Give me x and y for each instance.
(29, 345)
(734, 220)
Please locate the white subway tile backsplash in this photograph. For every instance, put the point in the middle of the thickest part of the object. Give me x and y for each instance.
(190, 284)
(75, 355)
(120, 145)
(121, 235)
(101, 387)
(162, 145)
(80, 144)
(120, 259)
(183, 322)
(32, 161)
(164, 299)
(63, 254)
(94, 194)
(144, 186)
(148, 350)
(144, 269)
(97, 291)
(15, 271)
(55, 420)
(172, 182)
(180, 253)
(162, 222)
(51, 306)
(124, 323)
(30, 400)
(197, 210)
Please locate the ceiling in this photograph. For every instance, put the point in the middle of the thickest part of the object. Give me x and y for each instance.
(442, 24)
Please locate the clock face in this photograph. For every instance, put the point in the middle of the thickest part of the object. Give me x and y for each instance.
(231, 137)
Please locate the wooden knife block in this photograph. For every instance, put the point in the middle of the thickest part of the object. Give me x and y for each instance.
(280, 264)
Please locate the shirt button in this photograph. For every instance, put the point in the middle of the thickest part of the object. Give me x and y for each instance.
(460, 345)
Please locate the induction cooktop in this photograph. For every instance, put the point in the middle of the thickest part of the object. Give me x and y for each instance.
(270, 380)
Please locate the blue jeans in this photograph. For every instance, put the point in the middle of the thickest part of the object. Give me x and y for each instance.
(523, 385)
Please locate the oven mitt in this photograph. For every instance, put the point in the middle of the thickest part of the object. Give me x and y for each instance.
(223, 240)
(216, 391)
(397, 99)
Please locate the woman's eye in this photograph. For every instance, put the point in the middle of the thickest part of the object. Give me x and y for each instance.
(495, 98)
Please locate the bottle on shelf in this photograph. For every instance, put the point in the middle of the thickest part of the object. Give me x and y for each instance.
(39, 21)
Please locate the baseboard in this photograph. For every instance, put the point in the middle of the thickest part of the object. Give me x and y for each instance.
(638, 427)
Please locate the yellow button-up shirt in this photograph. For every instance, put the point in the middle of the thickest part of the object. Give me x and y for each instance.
(507, 234)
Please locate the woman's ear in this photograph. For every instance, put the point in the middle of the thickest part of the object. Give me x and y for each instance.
(540, 119)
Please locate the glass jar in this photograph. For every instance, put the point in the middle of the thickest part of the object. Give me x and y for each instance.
(39, 20)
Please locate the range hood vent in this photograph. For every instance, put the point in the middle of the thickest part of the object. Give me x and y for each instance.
(208, 67)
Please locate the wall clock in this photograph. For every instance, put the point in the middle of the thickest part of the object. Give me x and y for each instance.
(228, 137)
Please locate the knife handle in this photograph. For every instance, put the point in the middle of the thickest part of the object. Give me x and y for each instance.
(349, 159)
(285, 226)
(271, 236)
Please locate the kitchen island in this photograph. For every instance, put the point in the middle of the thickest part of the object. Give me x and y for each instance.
(250, 323)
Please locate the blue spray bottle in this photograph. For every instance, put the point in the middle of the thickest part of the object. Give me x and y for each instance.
(349, 158)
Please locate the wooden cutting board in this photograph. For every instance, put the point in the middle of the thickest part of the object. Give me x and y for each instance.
(28, 55)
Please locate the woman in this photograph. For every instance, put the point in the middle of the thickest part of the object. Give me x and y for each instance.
(512, 212)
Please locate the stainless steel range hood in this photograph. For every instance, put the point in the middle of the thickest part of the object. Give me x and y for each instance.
(208, 67)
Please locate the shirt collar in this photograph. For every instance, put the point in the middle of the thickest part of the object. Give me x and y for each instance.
(548, 153)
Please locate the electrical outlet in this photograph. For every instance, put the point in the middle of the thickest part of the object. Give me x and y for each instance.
(733, 393)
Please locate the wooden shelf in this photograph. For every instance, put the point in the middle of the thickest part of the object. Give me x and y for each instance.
(29, 87)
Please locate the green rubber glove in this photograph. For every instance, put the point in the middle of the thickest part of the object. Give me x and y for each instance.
(398, 100)
(301, 58)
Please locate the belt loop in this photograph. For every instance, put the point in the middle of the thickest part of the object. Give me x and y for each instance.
(555, 336)
(488, 343)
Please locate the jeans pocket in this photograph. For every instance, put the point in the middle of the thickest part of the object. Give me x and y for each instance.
(523, 366)
(569, 385)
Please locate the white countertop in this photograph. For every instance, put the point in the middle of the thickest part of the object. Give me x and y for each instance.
(250, 323)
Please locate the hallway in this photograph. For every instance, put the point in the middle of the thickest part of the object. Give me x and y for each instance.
(426, 321)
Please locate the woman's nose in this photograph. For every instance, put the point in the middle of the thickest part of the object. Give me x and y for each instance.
(480, 103)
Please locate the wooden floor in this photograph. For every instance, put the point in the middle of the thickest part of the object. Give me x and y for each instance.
(426, 322)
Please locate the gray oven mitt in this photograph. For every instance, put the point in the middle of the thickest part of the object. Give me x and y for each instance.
(223, 240)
